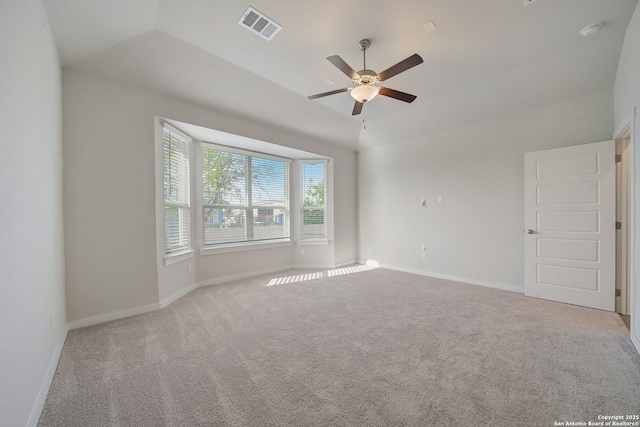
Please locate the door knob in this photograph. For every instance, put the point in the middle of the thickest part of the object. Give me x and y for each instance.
(530, 231)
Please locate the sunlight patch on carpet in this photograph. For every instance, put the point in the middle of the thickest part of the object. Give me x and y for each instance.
(320, 274)
(349, 270)
(294, 279)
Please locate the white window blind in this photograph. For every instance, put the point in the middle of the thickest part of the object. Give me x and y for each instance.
(177, 197)
(245, 197)
(313, 175)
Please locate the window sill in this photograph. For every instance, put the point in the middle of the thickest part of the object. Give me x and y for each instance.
(242, 247)
(314, 242)
(177, 257)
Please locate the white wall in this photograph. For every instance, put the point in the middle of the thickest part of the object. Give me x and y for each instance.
(109, 199)
(31, 246)
(627, 86)
(627, 96)
(476, 233)
(114, 264)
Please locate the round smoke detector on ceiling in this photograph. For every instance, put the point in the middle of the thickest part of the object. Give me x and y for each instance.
(590, 29)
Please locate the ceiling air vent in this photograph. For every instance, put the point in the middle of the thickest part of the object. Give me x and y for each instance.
(259, 23)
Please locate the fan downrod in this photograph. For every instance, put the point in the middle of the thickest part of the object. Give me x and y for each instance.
(364, 45)
(366, 80)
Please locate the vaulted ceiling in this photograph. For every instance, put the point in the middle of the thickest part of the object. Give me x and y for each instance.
(485, 58)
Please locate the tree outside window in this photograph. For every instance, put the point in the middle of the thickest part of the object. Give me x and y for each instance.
(245, 197)
(313, 200)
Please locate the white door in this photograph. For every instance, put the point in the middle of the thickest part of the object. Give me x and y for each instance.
(570, 208)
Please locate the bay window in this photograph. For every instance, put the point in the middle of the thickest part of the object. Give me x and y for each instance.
(245, 196)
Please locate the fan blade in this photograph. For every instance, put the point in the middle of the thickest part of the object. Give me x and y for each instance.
(343, 66)
(357, 108)
(401, 66)
(333, 92)
(391, 93)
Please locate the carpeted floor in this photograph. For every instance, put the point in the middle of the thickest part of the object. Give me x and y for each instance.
(373, 348)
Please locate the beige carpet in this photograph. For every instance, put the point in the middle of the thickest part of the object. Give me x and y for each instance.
(373, 348)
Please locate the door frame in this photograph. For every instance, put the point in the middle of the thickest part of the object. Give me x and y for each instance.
(628, 126)
(623, 234)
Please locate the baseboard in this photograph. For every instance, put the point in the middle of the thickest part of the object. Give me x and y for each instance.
(635, 339)
(345, 264)
(226, 279)
(500, 286)
(90, 321)
(36, 411)
(175, 297)
(315, 267)
(271, 271)
(324, 267)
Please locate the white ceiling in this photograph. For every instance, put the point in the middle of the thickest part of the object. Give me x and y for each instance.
(486, 58)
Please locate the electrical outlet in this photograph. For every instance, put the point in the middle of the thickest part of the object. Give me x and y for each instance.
(424, 255)
(301, 251)
(189, 267)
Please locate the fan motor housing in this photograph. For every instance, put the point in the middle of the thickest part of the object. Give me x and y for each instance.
(365, 82)
(367, 77)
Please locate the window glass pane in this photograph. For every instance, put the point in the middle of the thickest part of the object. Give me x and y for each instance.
(224, 225)
(313, 216)
(268, 181)
(224, 178)
(177, 194)
(269, 222)
(171, 226)
(313, 224)
(313, 200)
(313, 184)
(245, 198)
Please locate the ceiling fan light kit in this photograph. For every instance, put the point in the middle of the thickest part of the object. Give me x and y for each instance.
(364, 92)
(365, 82)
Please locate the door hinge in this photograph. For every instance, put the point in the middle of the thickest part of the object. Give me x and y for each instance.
(617, 292)
(618, 225)
(618, 158)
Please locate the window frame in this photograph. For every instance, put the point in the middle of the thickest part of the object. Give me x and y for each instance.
(250, 244)
(184, 208)
(230, 142)
(314, 238)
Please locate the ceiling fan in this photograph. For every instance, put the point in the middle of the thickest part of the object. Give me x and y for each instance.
(365, 82)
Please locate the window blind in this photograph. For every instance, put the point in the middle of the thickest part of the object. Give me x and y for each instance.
(313, 175)
(177, 198)
(245, 197)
